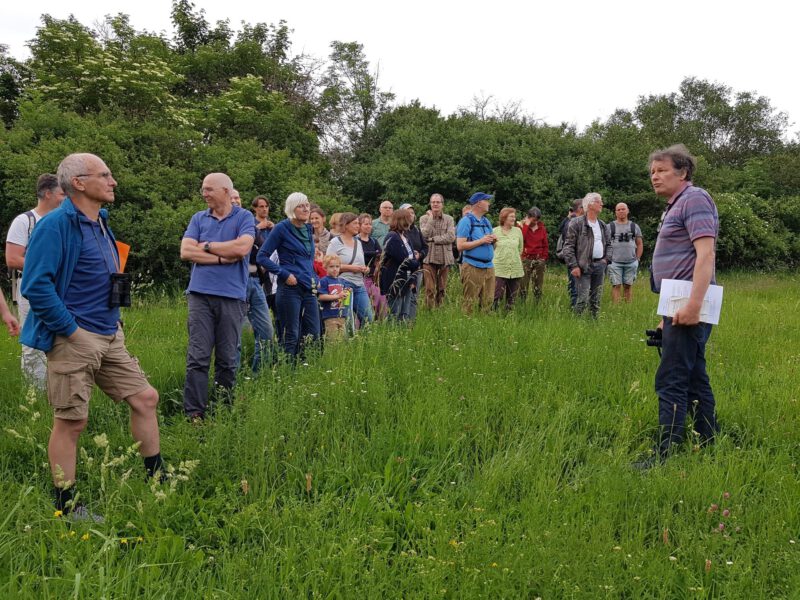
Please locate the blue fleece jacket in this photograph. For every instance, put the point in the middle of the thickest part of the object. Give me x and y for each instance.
(50, 259)
(295, 258)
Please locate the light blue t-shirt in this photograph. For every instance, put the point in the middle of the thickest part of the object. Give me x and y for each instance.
(472, 228)
(228, 281)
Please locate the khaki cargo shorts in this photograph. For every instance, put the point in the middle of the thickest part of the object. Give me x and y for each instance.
(75, 365)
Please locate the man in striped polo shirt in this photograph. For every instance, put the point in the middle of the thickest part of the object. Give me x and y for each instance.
(685, 249)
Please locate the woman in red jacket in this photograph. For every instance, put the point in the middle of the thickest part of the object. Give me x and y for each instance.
(534, 253)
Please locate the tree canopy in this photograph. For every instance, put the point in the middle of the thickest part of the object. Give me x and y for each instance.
(163, 111)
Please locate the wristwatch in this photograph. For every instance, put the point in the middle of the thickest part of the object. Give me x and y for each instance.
(207, 247)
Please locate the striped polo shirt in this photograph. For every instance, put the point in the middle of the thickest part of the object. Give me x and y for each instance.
(690, 215)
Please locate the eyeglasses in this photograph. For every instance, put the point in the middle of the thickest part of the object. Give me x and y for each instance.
(104, 175)
(303, 205)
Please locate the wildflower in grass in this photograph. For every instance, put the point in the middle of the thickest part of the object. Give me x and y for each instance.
(124, 541)
(72, 533)
(85, 537)
(58, 514)
(101, 440)
(140, 539)
(726, 495)
(708, 566)
(726, 513)
(673, 558)
(245, 487)
(713, 508)
(722, 527)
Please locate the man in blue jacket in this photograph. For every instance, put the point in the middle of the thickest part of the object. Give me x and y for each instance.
(70, 265)
(217, 242)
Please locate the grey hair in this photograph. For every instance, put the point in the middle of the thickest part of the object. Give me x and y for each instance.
(294, 199)
(47, 182)
(589, 198)
(535, 213)
(72, 166)
(679, 156)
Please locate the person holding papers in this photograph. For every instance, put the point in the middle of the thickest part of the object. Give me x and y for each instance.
(685, 250)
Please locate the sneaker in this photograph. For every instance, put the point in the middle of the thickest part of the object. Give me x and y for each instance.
(81, 514)
(646, 464)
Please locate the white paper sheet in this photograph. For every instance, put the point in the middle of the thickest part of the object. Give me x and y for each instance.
(675, 293)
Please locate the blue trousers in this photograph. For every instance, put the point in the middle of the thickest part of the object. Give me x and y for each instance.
(298, 317)
(261, 320)
(400, 306)
(683, 386)
(362, 306)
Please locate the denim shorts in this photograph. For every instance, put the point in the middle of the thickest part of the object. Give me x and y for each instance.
(623, 273)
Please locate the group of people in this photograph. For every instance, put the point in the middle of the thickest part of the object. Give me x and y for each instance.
(591, 249)
(71, 285)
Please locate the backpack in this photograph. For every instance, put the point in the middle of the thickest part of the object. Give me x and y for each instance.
(560, 247)
(560, 242)
(15, 274)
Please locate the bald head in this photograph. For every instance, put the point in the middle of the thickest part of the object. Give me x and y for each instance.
(621, 212)
(217, 191)
(386, 210)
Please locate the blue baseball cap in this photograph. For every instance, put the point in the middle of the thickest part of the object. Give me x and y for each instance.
(478, 196)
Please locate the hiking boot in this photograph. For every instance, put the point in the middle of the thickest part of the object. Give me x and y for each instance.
(81, 514)
(646, 464)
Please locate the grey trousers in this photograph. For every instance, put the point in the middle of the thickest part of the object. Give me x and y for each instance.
(215, 324)
(589, 287)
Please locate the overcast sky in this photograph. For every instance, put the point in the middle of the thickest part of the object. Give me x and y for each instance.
(565, 60)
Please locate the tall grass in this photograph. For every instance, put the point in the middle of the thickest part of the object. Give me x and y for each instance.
(481, 457)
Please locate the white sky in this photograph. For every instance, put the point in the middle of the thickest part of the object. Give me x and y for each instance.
(565, 60)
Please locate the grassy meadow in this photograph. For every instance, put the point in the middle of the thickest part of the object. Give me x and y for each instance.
(485, 457)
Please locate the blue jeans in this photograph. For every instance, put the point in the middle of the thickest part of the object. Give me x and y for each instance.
(683, 386)
(298, 316)
(400, 305)
(362, 306)
(415, 295)
(261, 320)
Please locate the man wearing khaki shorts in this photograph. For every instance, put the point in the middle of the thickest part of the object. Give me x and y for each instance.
(70, 267)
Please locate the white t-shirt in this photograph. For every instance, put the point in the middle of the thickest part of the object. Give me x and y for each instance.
(337, 248)
(597, 251)
(18, 231)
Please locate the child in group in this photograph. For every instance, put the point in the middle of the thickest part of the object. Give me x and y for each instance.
(319, 267)
(334, 296)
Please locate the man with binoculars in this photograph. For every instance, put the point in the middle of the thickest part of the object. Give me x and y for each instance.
(75, 289)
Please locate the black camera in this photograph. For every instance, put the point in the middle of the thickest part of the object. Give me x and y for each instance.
(655, 337)
(120, 290)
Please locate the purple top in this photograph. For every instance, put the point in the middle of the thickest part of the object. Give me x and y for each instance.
(690, 215)
(228, 281)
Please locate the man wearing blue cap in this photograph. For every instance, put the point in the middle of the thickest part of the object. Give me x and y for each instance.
(475, 241)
